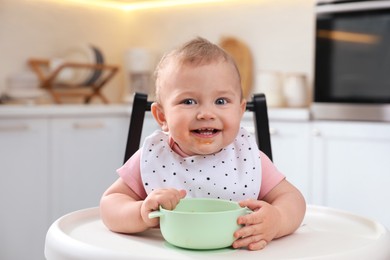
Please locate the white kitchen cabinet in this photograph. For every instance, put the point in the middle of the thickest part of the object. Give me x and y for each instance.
(291, 152)
(85, 152)
(290, 149)
(24, 182)
(56, 160)
(150, 125)
(350, 167)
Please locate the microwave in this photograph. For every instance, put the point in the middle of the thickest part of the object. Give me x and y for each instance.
(352, 60)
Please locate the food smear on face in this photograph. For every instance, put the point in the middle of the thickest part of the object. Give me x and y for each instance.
(206, 142)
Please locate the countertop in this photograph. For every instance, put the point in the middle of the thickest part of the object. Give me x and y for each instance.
(47, 111)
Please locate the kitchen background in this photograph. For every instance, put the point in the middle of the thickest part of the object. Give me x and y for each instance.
(279, 33)
(58, 149)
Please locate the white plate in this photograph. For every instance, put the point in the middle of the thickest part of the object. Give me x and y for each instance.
(26, 93)
(82, 53)
(99, 59)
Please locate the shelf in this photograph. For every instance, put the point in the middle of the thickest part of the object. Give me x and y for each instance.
(48, 80)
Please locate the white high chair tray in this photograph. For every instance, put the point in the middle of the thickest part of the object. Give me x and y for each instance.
(325, 234)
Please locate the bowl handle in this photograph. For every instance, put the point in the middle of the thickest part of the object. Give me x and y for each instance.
(155, 214)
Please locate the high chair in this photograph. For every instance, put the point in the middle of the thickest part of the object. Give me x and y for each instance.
(257, 105)
(325, 233)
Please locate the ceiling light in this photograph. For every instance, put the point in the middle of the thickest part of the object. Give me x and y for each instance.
(129, 5)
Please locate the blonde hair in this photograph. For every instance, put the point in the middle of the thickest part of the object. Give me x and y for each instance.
(196, 52)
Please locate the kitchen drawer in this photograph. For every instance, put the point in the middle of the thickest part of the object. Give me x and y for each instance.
(24, 181)
(85, 152)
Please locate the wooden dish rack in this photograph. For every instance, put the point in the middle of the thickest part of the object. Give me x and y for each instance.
(57, 90)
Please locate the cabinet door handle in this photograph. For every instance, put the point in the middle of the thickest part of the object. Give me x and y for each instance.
(13, 128)
(316, 132)
(273, 131)
(92, 125)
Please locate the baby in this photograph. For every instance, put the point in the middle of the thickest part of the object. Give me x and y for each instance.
(202, 152)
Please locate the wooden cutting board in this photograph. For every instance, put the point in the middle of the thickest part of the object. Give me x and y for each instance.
(243, 57)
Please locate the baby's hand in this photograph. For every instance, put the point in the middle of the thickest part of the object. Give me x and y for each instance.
(260, 227)
(167, 198)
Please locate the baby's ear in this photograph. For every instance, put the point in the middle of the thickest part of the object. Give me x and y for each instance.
(243, 106)
(159, 115)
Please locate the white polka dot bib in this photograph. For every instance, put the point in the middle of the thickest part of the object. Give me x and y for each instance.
(234, 173)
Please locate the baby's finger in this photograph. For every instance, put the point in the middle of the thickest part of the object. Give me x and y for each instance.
(171, 201)
(250, 219)
(247, 231)
(182, 194)
(252, 204)
(257, 245)
(247, 241)
(169, 204)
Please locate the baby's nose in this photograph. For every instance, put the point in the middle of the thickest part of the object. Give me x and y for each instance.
(205, 114)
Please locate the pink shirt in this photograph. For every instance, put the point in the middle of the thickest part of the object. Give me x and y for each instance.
(131, 174)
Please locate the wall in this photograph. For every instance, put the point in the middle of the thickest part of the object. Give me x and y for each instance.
(278, 32)
(47, 28)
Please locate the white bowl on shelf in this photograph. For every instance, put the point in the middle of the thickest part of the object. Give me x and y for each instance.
(84, 54)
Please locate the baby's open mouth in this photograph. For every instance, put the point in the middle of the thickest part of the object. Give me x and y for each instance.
(206, 131)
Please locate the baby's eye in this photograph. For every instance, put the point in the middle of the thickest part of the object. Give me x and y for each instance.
(221, 101)
(188, 101)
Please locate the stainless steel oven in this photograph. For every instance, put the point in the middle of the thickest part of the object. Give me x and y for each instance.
(352, 60)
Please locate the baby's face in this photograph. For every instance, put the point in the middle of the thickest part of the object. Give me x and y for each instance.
(201, 106)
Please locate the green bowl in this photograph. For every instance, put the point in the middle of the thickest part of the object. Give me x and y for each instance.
(199, 223)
